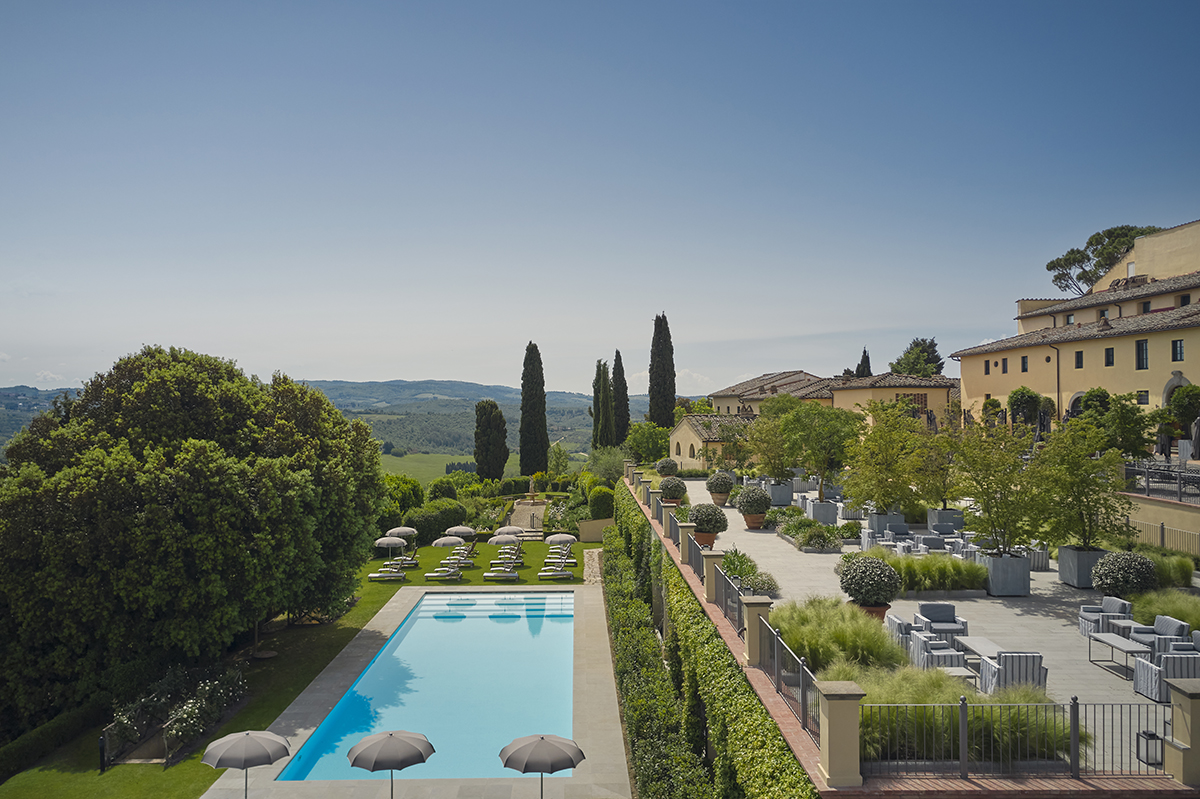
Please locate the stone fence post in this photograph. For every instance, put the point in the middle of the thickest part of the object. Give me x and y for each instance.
(1181, 755)
(839, 733)
(685, 530)
(711, 561)
(755, 608)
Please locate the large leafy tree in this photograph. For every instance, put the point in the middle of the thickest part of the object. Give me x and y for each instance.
(886, 461)
(402, 494)
(771, 447)
(1082, 499)
(168, 509)
(662, 375)
(990, 462)
(920, 359)
(1078, 269)
(620, 401)
(535, 438)
(1127, 426)
(648, 442)
(491, 435)
(1185, 406)
(820, 436)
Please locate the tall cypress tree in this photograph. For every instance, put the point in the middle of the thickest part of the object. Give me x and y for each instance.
(620, 403)
(595, 411)
(535, 440)
(608, 434)
(491, 434)
(662, 375)
(864, 365)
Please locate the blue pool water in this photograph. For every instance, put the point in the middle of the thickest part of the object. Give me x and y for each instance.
(469, 671)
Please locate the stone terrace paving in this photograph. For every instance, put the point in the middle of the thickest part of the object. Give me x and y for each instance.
(1046, 621)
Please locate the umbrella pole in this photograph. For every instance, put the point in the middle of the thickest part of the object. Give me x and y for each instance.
(245, 783)
(542, 784)
(392, 777)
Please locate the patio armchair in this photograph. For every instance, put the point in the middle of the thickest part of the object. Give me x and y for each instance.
(926, 651)
(943, 529)
(939, 619)
(1166, 630)
(1011, 668)
(1150, 676)
(929, 543)
(1095, 618)
(898, 629)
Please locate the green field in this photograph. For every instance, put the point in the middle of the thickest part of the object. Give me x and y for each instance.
(425, 468)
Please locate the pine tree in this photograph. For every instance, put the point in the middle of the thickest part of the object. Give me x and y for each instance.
(662, 375)
(535, 440)
(620, 403)
(864, 365)
(491, 434)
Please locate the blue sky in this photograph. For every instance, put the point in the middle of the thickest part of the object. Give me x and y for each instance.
(370, 191)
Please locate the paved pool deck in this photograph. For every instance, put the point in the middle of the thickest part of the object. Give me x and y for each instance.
(596, 719)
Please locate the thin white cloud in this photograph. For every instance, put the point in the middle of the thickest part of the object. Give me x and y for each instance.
(4, 356)
(46, 376)
(689, 382)
(986, 341)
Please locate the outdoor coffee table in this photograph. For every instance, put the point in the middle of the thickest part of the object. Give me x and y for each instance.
(1117, 644)
(963, 673)
(1122, 626)
(977, 645)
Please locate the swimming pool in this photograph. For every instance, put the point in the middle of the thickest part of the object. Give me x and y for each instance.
(470, 671)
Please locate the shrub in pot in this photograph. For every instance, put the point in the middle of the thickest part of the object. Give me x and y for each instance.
(710, 521)
(870, 583)
(1124, 574)
(753, 503)
(719, 485)
(666, 467)
(672, 489)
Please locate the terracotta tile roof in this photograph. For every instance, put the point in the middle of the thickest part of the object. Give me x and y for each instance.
(890, 380)
(1173, 319)
(707, 425)
(1108, 296)
(760, 387)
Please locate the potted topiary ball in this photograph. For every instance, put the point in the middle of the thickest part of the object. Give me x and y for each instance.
(673, 489)
(666, 467)
(1124, 574)
(871, 584)
(709, 520)
(719, 485)
(753, 503)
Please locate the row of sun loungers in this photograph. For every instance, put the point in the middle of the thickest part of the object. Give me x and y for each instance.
(510, 558)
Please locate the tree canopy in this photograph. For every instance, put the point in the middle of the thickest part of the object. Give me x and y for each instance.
(662, 375)
(168, 509)
(886, 461)
(920, 359)
(491, 437)
(535, 438)
(863, 369)
(1077, 269)
(820, 436)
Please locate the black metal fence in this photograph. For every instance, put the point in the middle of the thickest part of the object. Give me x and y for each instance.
(791, 678)
(1162, 481)
(729, 600)
(1046, 740)
(695, 558)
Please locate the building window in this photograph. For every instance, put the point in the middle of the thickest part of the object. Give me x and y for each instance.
(1024, 363)
(691, 450)
(1185, 299)
(1070, 319)
(1109, 356)
(1146, 306)
(987, 367)
(987, 397)
(1143, 398)
(678, 449)
(1103, 313)
(1004, 366)
(1142, 354)
(1177, 350)
(1078, 359)
(1130, 269)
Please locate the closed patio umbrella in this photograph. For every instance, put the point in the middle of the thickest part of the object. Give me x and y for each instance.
(545, 754)
(245, 750)
(393, 750)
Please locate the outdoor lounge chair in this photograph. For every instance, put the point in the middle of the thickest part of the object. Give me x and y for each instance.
(1166, 630)
(1149, 677)
(449, 574)
(501, 575)
(555, 574)
(514, 562)
(1095, 618)
(388, 576)
(898, 629)
(1011, 668)
(938, 618)
(926, 651)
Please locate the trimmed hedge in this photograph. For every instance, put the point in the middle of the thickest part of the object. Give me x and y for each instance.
(432, 519)
(752, 758)
(31, 747)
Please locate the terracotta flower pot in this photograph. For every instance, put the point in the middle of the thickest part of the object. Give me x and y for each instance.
(754, 521)
(875, 611)
(718, 499)
(705, 539)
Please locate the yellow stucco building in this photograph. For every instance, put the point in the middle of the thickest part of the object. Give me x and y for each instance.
(1135, 331)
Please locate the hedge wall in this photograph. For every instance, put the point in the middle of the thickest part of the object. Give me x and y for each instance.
(752, 759)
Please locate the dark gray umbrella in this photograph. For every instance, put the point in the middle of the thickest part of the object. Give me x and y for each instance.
(449, 541)
(462, 531)
(510, 529)
(561, 538)
(402, 532)
(390, 750)
(545, 754)
(391, 542)
(244, 750)
(503, 540)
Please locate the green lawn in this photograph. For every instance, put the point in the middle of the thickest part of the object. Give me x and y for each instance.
(73, 770)
(425, 468)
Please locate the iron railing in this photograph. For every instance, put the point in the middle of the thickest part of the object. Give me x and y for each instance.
(695, 558)
(729, 600)
(1163, 482)
(1046, 740)
(673, 529)
(791, 678)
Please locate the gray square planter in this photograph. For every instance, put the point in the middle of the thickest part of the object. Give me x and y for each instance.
(878, 522)
(1075, 565)
(1007, 576)
(952, 516)
(823, 512)
(781, 493)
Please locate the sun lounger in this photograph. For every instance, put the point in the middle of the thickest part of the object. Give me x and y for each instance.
(500, 575)
(388, 576)
(507, 562)
(444, 575)
(555, 575)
